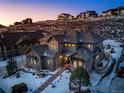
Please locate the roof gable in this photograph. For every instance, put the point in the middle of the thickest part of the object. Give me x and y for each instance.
(40, 49)
(11, 38)
(79, 37)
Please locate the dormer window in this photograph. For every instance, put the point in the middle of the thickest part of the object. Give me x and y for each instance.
(53, 46)
(69, 44)
(73, 45)
(66, 44)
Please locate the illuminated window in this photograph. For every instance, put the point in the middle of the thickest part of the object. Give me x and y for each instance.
(89, 46)
(69, 44)
(97, 57)
(73, 45)
(53, 46)
(66, 44)
(35, 63)
(65, 58)
(48, 62)
(80, 64)
(60, 56)
(31, 61)
(75, 64)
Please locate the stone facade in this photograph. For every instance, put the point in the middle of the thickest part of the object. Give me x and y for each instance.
(74, 50)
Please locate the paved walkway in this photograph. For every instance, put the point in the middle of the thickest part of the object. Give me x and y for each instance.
(49, 81)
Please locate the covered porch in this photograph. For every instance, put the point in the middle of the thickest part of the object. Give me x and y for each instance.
(65, 58)
(33, 62)
(82, 58)
(50, 58)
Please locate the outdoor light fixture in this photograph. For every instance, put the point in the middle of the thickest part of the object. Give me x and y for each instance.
(60, 56)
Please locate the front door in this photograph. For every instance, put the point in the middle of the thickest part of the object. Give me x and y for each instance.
(65, 61)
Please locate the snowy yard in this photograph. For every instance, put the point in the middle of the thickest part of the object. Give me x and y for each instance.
(116, 45)
(104, 85)
(33, 81)
(61, 84)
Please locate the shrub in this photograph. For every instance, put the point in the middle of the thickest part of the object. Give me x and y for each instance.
(79, 77)
(20, 88)
(112, 50)
(18, 75)
(11, 67)
(81, 73)
(108, 46)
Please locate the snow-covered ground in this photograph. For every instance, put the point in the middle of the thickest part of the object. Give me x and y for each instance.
(94, 79)
(111, 42)
(104, 85)
(3, 63)
(116, 45)
(61, 84)
(33, 81)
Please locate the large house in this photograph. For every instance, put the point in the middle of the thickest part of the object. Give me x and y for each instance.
(87, 15)
(119, 11)
(72, 48)
(15, 43)
(65, 16)
(77, 48)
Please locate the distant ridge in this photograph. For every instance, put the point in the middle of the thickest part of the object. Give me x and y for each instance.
(2, 26)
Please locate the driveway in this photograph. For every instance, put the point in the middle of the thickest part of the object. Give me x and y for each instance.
(117, 85)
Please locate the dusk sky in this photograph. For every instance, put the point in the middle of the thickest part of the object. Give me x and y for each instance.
(16, 10)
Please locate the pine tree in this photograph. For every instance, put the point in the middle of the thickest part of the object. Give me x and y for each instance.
(82, 76)
(11, 67)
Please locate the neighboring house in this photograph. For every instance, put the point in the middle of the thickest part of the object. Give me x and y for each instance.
(119, 11)
(77, 48)
(65, 16)
(3, 70)
(87, 15)
(91, 14)
(109, 13)
(27, 21)
(81, 16)
(15, 43)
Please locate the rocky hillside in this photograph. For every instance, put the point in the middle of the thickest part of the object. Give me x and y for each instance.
(3, 28)
(112, 27)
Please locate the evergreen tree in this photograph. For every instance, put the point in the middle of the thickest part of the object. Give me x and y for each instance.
(20, 88)
(81, 76)
(11, 67)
